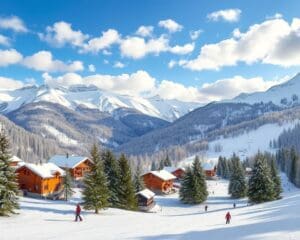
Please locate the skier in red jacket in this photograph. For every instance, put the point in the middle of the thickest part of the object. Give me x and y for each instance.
(77, 213)
(228, 217)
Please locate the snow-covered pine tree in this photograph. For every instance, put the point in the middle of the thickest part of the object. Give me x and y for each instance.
(237, 185)
(95, 192)
(200, 187)
(127, 197)
(68, 186)
(161, 164)
(276, 180)
(261, 187)
(112, 172)
(220, 165)
(293, 167)
(8, 182)
(187, 185)
(167, 162)
(138, 180)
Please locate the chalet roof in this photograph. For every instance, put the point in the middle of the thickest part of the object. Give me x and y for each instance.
(146, 193)
(15, 159)
(67, 161)
(45, 170)
(172, 169)
(208, 166)
(163, 174)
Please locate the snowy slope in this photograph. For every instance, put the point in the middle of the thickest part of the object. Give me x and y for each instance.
(94, 98)
(274, 94)
(244, 145)
(278, 220)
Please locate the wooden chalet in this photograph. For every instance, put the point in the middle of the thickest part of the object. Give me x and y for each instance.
(178, 172)
(159, 181)
(145, 199)
(210, 170)
(78, 166)
(43, 180)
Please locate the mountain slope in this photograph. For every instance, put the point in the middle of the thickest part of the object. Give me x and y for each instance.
(93, 98)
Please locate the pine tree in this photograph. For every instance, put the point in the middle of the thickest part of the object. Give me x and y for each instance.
(68, 186)
(187, 185)
(237, 186)
(167, 162)
(161, 165)
(8, 181)
(220, 165)
(193, 186)
(261, 187)
(127, 198)
(153, 166)
(276, 180)
(112, 172)
(138, 180)
(96, 192)
(293, 169)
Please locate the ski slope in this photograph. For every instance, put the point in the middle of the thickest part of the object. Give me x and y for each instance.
(43, 219)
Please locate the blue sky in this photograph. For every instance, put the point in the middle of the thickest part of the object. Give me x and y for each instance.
(203, 68)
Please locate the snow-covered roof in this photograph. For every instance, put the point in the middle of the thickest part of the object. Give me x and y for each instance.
(208, 166)
(172, 169)
(146, 193)
(15, 159)
(45, 170)
(67, 161)
(163, 174)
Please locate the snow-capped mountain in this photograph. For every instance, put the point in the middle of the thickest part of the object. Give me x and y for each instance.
(284, 95)
(94, 98)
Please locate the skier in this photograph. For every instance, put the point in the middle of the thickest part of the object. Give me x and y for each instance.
(77, 212)
(234, 205)
(228, 217)
(206, 207)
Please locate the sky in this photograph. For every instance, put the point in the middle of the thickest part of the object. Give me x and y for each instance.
(187, 50)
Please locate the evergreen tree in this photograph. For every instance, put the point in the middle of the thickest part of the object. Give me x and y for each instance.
(153, 166)
(138, 180)
(261, 187)
(8, 181)
(193, 186)
(220, 165)
(293, 169)
(276, 180)
(167, 162)
(68, 186)
(161, 165)
(127, 198)
(96, 192)
(112, 172)
(237, 186)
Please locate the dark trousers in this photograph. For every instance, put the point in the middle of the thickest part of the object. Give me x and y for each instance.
(78, 216)
(227, 221)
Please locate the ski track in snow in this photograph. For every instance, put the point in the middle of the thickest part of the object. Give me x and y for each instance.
(45, 219)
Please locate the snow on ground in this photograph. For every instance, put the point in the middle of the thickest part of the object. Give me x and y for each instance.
(45, 219)
(63, 138)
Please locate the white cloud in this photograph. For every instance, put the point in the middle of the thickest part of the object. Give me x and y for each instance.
(273, 41)
(194, 35)
(172, 63)
(13, 23)
(119, 65)
(8, 57)
(229, 15)
(61, 33)
(92, 68)
(182, 50)
(133, 84)
(5, 41)
(145, 31)
(10, 84)
(275, 16)
(170, 25)
(108, 38)
(136, 47)
(221, 89)
(43, 61)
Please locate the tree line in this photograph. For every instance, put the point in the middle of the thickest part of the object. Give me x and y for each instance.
(264, 183)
